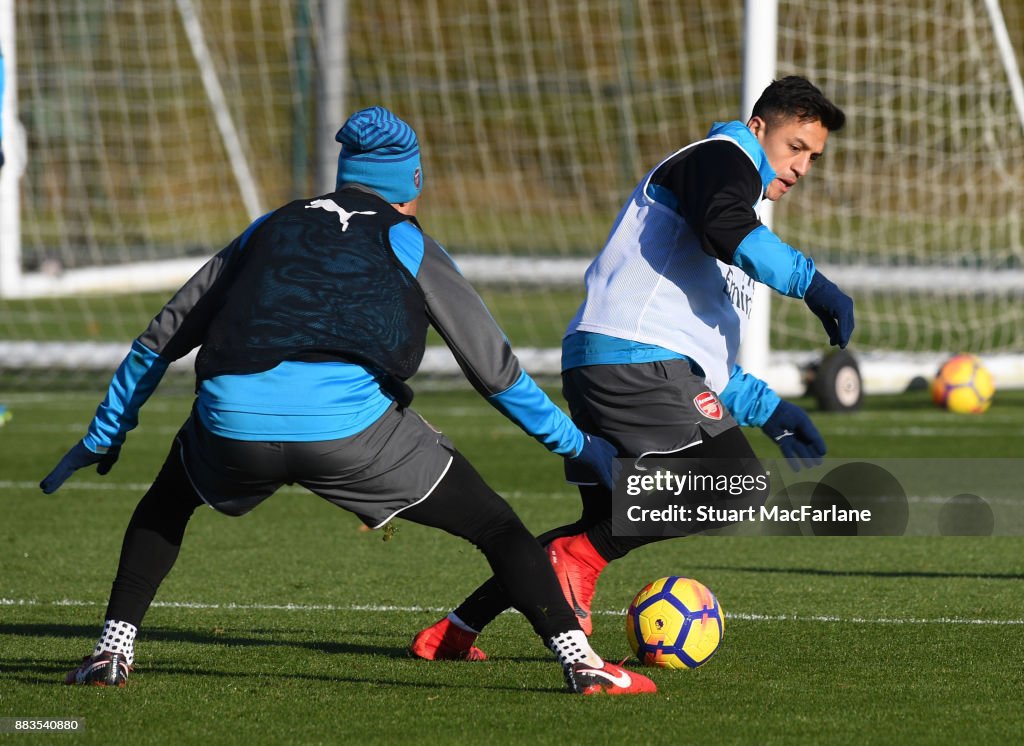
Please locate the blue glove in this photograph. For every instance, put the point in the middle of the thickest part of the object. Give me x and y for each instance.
(832, 306)
(799, 439)
(79, 456)
(598, 456)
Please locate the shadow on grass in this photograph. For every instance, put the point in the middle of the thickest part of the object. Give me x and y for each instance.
(867, 573)
(158, 634)
(52, 674)
(35, 671)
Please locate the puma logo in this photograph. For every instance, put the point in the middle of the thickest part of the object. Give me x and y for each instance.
(343, 215)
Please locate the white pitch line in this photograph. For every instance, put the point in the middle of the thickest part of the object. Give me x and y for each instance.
(930, 432)
(88, 486)
(383, 608)
(7, 484)
(865, 620)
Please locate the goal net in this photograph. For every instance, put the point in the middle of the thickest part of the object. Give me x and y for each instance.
(141, 136)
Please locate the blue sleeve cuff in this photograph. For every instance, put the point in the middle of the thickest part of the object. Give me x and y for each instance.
(529, 407)
(133, 382)
(749, 399)
(766, 258)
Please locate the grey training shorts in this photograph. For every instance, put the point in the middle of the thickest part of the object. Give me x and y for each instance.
(376, 473)
(643, 409)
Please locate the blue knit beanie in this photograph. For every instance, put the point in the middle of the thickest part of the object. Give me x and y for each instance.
(380, 151)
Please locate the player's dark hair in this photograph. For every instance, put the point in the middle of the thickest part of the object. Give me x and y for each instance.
(794, 96)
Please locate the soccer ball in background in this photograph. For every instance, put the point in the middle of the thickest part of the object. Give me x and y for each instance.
(963, 385)
(675, 623)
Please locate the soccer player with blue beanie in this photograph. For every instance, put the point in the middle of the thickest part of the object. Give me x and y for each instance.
(307, 326)
(649, 361)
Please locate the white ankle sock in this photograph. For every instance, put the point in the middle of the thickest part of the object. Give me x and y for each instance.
(117, 637)
(461, 624)
(573, 647)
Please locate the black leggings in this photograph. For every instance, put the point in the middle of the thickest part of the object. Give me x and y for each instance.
(152, 540)
(462, 504)
(487, 601)
(465, 506)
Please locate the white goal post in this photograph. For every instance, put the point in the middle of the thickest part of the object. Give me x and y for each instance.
(141, 136)
(10, 213)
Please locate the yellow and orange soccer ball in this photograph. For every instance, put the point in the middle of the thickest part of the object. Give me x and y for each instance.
(675, 622)
(963, 385)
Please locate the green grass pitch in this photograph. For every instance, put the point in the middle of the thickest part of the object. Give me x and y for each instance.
(289, 625)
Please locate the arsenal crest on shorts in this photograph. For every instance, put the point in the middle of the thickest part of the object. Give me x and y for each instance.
(708, 405)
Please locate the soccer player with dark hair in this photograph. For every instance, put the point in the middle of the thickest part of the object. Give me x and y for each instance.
(308, 325)
(649, 361)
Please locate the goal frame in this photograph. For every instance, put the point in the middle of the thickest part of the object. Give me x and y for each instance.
(784, 371)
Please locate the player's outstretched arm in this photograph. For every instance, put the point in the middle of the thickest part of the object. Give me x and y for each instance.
(132, 384)
(177, 329)
(832, 306)
(487, 360)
